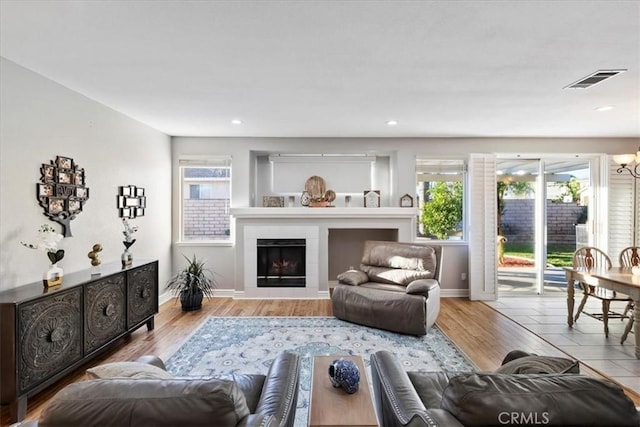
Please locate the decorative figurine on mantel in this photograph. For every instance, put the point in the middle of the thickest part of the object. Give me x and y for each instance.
(95, 259)
(315, 195)
(127, 256)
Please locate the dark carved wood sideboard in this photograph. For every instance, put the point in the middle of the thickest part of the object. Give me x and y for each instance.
(47, 333)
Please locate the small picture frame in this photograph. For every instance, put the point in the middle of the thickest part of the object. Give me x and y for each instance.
(45, 190)
(82, 193)
(406, 201)
(47, 172)
(64, 162)
(64, 176)
(79, 177)
(372, 198)
(126, 190)
(75, 205)
(272, 201)
(56, 205)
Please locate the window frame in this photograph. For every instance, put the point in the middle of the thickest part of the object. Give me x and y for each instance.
(209, 162)
(445, 166)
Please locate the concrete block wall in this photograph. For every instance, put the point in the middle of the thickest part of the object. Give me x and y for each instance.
(206, 219)
(518, 221)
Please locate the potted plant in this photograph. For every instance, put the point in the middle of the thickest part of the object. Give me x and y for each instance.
(192, 283)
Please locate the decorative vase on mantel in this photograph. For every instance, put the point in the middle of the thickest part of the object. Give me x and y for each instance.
(127, 256)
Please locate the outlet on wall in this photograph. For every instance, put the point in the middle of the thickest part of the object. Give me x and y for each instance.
(463, 276)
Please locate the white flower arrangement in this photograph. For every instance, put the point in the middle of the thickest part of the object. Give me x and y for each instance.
(128, 233)
(48, 241)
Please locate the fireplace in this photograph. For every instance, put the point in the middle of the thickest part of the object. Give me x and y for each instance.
(281, 263)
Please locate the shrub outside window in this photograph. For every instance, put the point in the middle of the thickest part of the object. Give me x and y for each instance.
(440, 186)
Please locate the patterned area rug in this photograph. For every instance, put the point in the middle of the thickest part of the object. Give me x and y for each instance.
(247, 345)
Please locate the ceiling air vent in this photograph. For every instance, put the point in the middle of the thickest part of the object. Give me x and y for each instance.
(593, 79)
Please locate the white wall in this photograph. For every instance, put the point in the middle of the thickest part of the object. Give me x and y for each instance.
(402, 152)
(40, 119)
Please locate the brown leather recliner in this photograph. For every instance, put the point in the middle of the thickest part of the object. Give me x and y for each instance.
(432, 399)
(397, 288)
(233, 400)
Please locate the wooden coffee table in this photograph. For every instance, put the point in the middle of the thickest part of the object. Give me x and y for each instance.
(330, 406)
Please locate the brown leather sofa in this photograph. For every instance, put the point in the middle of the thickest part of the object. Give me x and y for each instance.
(233, 400)
(433, 399)
(397, 288)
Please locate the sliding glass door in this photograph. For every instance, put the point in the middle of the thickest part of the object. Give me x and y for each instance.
(543, 207)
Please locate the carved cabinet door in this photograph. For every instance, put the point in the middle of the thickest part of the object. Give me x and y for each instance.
(142, 293)
(50, 331)
(104, 307)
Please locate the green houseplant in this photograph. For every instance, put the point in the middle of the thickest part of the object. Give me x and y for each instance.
(192, 283)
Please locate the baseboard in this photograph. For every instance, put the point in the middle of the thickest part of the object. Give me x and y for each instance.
(224, 293)
(454, 293)
(167, 296)
(240, 295)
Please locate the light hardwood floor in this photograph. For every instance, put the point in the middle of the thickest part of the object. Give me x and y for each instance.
(482, 333)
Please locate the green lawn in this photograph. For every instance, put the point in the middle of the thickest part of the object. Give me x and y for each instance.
(557, 255)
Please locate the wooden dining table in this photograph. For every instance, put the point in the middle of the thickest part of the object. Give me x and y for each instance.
(617, 279)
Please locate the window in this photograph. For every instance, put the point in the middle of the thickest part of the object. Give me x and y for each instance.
(440, 186)
(206, 197)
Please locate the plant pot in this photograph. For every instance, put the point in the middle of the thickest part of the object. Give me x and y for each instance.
(191, 300)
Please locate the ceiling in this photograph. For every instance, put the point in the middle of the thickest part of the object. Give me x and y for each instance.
(341, 68)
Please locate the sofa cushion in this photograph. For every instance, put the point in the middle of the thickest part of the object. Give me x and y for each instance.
(353, 277)
(539, 365)
(128, 370)
(554, 400)
(144, 402)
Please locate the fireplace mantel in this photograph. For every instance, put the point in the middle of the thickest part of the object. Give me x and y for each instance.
(313, 225)
(335, 212)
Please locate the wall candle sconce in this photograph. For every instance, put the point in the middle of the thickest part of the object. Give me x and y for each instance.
(624, 160)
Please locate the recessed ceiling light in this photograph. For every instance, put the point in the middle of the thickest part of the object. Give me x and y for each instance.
(236, 122)
(606, 108)
(392, 122)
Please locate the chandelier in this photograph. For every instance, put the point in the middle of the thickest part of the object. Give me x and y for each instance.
(625, 161)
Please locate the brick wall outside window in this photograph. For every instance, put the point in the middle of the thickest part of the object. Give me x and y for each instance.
(205, 219)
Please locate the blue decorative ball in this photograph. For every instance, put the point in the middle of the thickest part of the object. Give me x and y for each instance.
(344, 373)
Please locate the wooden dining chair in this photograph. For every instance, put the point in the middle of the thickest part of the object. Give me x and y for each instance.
(629, 257)
(590, 257)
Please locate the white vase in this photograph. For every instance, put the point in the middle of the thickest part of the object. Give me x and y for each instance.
(53, 276)
(127, 258)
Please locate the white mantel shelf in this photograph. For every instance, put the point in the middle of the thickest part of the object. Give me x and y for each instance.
(335, 212)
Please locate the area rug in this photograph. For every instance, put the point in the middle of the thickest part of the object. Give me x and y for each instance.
(247, 345)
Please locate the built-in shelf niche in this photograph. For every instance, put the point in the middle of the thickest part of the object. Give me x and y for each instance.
(346, 175)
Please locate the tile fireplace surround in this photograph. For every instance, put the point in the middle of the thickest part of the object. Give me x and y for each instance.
(313, 225)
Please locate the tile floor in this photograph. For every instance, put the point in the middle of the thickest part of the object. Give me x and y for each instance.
(547, 317)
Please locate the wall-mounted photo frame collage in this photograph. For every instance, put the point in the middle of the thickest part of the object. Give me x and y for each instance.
(61, 191)
(131, 201)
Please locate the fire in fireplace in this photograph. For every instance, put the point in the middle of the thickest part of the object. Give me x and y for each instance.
(281, 263)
